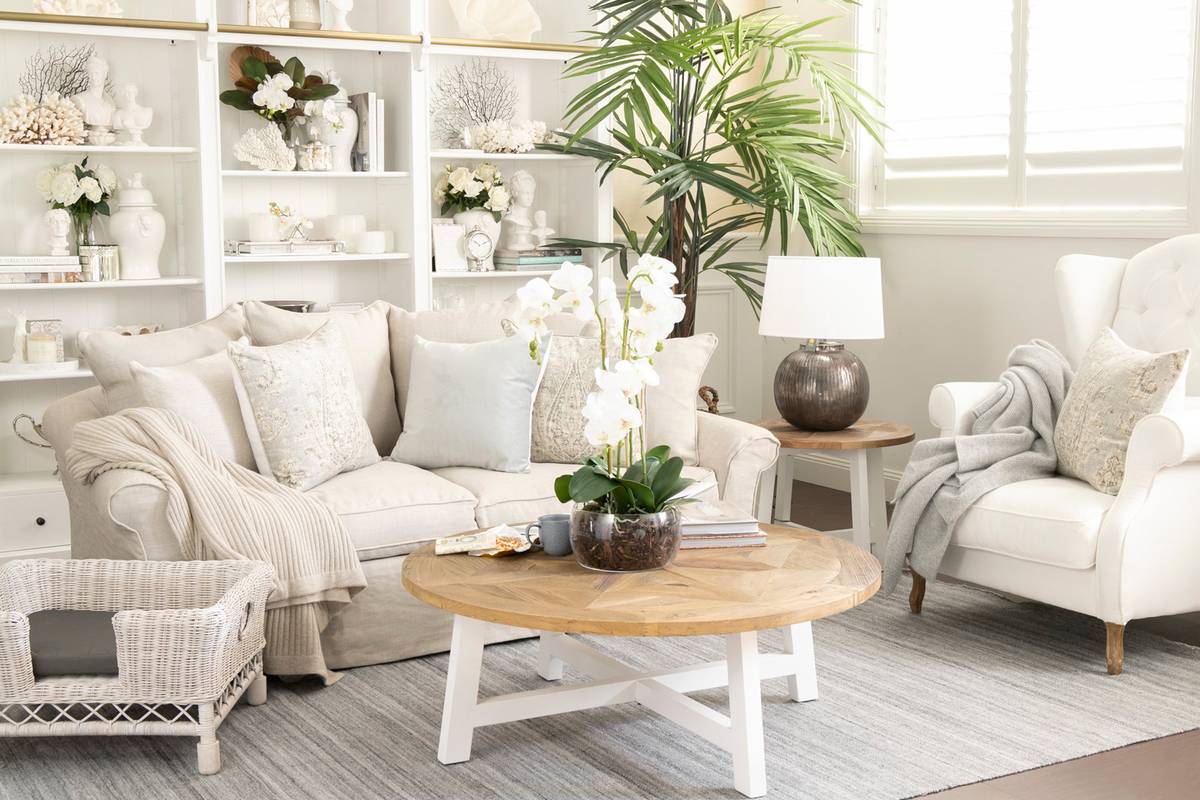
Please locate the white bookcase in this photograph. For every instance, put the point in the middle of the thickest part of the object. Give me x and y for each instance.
(177, 52)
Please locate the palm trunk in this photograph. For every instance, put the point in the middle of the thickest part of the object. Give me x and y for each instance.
(680, 257)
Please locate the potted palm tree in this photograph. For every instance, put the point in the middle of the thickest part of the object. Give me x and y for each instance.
(704, 107)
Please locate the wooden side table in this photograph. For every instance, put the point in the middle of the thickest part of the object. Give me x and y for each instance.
(863, 444)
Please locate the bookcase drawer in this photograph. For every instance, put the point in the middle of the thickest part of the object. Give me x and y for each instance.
(35, 521)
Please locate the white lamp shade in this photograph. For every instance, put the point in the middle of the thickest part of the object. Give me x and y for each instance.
(808, 297)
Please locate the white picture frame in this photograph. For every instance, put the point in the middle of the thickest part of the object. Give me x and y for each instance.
(268, 13)
(449, 246)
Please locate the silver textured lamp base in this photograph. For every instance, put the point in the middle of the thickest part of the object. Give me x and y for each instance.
(822, 387)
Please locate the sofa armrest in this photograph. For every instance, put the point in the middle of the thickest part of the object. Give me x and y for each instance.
(950, 404)
(742, 456)
(133, 505)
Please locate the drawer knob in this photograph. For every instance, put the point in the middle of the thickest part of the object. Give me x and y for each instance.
(40, 521)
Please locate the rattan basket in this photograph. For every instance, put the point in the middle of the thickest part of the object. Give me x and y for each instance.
(189, 638)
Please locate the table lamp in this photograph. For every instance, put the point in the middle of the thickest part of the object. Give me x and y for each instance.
(822, 386)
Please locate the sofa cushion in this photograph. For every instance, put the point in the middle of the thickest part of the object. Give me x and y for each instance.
(512, 497)
(1054, 521)
(366, 336)
(108, 353)
(671, 405)
(390, 508)
(70, 642)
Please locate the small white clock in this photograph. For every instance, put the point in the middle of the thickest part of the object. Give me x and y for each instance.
(480, 248)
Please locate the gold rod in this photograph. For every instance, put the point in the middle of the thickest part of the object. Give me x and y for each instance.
(545, 47)
(358, 36)
(104, 22)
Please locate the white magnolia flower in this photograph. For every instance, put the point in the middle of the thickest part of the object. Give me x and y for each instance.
(459, 179)
(91, 189)
(624, 378)
(572, 277)
(498, 198)
(608, 304)
(107, 178)
(473, 188)
(65, 189)
(272, 94)
(538, 294)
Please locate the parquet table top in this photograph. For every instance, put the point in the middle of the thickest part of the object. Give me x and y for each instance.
(862, 435)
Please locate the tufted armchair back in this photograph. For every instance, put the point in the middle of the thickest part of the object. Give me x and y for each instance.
(1151, 300)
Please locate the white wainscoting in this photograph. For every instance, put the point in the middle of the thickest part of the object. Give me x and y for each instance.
(736, 368)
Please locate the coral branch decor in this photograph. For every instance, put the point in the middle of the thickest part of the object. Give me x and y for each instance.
(627, 494)
(470, 94)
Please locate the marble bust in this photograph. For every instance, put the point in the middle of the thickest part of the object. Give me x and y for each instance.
(338, 10)
(518, 224)
(58, 222)
(95, 104)
(541, 228)
(131, 118)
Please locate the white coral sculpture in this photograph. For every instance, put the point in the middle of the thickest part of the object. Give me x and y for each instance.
(55, 120)
(265, 149)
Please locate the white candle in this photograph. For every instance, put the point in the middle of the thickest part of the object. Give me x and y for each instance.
(41, 348)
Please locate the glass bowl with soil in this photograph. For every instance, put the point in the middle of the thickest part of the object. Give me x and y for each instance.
(624, 542)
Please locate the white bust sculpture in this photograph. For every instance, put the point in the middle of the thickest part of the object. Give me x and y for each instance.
(95, 104)
(58, 222)
(541, 228)
(518, 223)
(338, 10)
(130, 117)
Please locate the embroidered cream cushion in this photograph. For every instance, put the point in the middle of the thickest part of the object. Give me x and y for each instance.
(1116, 385)
(558, 421)
(301, 408)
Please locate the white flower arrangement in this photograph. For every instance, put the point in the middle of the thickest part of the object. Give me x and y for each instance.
(81, 190)
(272, 94)
(506, 136)
(463, 188)
(293, 224)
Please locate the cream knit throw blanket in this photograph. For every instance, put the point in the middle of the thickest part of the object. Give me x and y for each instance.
(220, 511)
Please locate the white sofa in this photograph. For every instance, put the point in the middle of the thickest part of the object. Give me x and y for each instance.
(1058, 540)
(389, 510)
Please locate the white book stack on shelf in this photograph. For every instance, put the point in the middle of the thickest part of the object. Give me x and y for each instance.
(709, 524)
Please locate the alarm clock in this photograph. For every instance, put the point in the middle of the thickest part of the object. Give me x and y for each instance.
(480, 248)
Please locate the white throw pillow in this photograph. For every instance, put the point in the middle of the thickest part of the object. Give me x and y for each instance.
(366, 335)
(203, 393)
(108, 353)
(671, 406)
(1114, 388)
(470, 405)
(301, 408)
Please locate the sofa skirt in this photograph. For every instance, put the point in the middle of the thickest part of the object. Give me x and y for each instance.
(385, 623)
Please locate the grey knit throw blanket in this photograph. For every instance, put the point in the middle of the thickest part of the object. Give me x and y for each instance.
(1011, 439)
(219, 511)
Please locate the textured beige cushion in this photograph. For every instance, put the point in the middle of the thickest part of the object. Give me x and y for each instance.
(470, 405)
(203, 393)
(479, 323)
(366, 335)
(301, 408)
(515, 497)
(570, 375)
(389, 508)
(108, 353)
(1116, 385)
(671, 406)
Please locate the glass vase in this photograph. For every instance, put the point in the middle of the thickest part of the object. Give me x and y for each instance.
(85, 231)
(625, 542)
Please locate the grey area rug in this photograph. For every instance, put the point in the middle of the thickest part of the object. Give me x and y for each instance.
(976, 687)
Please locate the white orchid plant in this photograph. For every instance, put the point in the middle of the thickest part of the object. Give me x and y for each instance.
(463, 188)
(626, 475)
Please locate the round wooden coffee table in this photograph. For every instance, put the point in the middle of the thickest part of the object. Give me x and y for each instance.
(799, 576)
(862, 444)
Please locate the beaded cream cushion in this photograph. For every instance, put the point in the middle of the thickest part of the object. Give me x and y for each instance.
(570, 375)
(1115, 387)
(301, 408)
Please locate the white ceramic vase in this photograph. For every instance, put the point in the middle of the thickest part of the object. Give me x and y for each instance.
(482, 219)
(138, 230)
(341, 138)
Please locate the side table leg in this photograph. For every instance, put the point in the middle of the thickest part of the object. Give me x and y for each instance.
(798, 641)
(462, 690)
(868, 506)
(745, 713)
(783, 487)
(548, 666)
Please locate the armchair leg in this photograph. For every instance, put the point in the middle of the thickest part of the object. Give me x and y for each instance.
(1116, 647)
(916, 597)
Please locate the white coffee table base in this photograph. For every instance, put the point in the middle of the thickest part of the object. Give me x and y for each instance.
(613, 682)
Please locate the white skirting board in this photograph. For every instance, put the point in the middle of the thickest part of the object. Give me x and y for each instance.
(833, 472)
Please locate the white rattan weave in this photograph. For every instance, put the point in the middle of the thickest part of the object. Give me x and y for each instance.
(189, 640)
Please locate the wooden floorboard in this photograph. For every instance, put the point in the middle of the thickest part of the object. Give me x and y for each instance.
(1161, 769)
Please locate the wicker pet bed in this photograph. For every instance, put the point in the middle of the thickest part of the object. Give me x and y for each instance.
(189, 641)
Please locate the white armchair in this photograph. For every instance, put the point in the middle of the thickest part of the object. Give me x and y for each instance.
(1059, 541)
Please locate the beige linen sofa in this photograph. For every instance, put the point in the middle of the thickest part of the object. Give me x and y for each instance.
(389, 508)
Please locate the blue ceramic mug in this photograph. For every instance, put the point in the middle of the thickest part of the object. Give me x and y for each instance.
(555, 533)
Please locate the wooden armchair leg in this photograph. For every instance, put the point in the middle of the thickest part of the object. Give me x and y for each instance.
(1116, 647)
(916, 597)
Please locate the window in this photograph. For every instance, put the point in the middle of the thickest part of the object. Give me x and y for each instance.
(1035, 107)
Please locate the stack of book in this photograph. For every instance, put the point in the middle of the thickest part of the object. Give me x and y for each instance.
(369, 147)
(35, 269)
(718, 524)
(540, 259)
